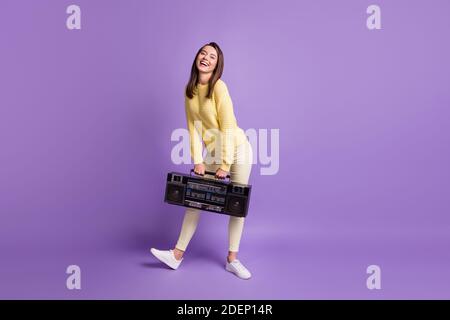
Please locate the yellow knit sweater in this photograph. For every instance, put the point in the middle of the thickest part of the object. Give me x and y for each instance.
(214, 121)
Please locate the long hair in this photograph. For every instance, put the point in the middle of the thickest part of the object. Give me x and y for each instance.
(217, 73)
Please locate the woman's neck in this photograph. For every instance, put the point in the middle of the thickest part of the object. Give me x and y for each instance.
(204, 78)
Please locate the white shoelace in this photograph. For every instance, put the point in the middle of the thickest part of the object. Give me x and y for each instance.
(239, 266)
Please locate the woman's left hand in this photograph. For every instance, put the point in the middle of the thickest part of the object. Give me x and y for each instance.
(221, 174)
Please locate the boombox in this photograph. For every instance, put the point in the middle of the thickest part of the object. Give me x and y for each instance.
(224, 197)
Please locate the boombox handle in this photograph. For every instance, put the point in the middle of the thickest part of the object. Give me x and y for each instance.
(210, 173)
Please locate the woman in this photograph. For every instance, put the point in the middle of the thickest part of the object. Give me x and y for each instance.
(210, 118)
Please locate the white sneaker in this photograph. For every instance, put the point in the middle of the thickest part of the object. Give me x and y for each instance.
(167, 257)
(238, 269)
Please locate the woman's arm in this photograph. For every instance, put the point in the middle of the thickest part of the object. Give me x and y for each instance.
(227, 124)
(194, 138)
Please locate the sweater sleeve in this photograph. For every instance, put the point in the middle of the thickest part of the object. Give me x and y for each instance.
(227, 124)
(194, 138)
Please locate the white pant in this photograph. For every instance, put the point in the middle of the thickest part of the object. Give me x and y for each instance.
(240, 173)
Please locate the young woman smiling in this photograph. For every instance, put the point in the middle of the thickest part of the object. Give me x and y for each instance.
(211, 120)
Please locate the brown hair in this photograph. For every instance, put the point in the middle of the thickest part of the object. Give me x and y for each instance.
(217, 73)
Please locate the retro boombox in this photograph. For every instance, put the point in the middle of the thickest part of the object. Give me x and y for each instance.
(208, 194)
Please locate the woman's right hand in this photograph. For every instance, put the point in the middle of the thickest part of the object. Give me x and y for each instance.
(199, 169)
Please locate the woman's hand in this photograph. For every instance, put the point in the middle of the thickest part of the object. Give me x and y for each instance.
(199, 169)
(221, 174)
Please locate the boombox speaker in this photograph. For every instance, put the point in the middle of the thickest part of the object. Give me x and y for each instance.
(208, 194)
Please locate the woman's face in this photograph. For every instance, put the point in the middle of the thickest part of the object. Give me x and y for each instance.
(207, 60)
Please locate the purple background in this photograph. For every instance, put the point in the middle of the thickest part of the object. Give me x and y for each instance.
(85, 124)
